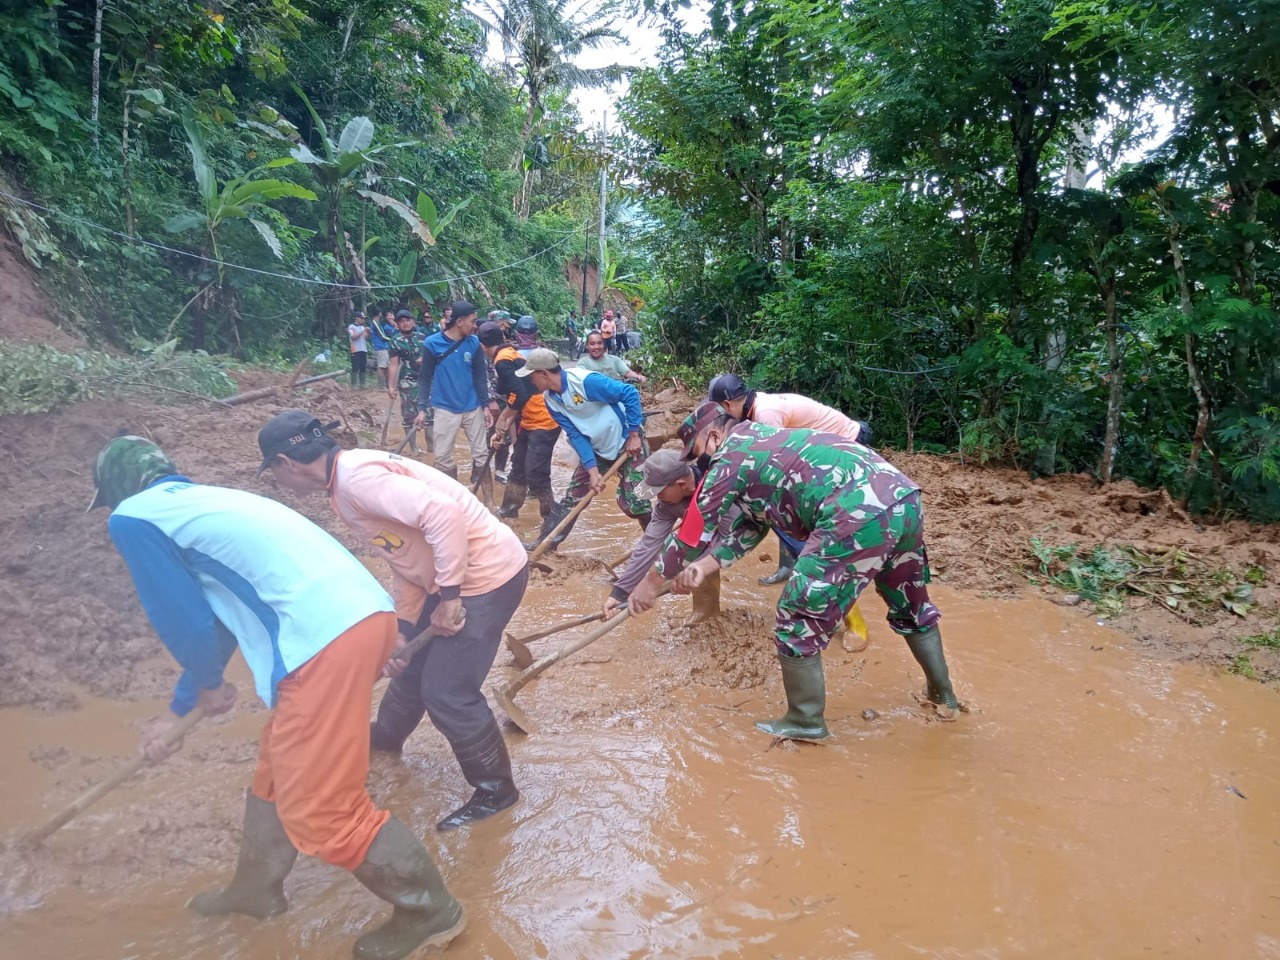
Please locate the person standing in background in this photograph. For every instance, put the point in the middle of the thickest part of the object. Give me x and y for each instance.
(358, 335)
(382, 327)
(608, 330)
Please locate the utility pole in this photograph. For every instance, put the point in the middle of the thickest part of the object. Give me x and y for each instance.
(604, 173)
(586, 255)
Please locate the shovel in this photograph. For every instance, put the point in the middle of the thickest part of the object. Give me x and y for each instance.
(517, 645)
(94, 794)
(506, 695)
(386, 423)
(578, 507)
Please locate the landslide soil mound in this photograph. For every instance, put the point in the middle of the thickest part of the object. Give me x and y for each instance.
(73, 621)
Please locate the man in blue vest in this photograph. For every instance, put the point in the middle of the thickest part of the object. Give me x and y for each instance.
(603, 420)
(454, 383)
(382, 327)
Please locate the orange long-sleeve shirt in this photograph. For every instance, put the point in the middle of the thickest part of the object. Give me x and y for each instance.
(436, 536)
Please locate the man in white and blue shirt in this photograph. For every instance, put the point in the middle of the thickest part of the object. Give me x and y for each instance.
(217, 569)
(603, 420)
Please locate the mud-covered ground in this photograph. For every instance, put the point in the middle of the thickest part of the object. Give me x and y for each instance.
(72, 622)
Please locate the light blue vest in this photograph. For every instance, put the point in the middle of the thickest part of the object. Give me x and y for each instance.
(601, 423)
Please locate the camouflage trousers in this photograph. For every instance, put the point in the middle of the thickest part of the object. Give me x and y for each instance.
(409, 403)
(832, 572)
(629, 502)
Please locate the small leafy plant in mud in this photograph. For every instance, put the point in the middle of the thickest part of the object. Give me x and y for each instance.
(1107, 576)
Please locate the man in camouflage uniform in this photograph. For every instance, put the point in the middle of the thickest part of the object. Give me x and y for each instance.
(860, 521)
(405, 359)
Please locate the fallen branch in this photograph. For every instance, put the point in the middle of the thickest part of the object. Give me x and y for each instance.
(264, 392)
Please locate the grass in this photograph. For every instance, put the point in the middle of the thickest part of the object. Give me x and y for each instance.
(1242, 666)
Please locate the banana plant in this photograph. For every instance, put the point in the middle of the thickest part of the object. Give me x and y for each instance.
(426, 223)
(237, 199)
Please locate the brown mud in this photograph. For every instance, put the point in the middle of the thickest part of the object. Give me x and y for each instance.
(1096, 800)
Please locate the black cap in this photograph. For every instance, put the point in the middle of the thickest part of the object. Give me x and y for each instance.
(404, 314)
(286, 431)
(491, 334)
(727, 386)
(463, 308)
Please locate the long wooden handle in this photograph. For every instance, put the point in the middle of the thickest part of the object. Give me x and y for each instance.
(581, 505)
(93, 795)
(566, 625)
(406, 652)
(570, 648)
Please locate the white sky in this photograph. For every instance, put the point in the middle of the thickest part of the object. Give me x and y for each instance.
(639, 50)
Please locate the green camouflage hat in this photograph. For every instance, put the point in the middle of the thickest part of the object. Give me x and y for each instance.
(125, 466)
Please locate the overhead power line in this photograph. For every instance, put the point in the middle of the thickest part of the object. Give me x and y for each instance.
(270, 273)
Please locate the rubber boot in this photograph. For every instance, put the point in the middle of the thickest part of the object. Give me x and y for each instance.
(806, 700)
(450, 472)
(927, 649)
(512, 500)
(549, 523)
(786, 563)
(266, 857)
(399, 714)
(706, 600)
(487, 767)
(398, 869)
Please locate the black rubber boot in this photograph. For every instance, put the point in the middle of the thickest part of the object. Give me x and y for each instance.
(786, 563)
(398, 869)
(487, 767)
(549, 523)
(399, 714)
(806, 700)
(450, 472)
(927, 649)
(266, 857)
(513, 498)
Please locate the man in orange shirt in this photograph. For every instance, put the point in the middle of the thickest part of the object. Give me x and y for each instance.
(449, 556)
(536, 434)
(789, 411)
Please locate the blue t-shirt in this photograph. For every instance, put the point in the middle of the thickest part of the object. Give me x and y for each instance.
(459, 383)
(376, 331)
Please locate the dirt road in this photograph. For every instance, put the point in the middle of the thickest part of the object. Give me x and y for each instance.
(1101, 798)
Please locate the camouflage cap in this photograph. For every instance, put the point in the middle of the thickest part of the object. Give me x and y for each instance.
(706, 414)
(125, 466)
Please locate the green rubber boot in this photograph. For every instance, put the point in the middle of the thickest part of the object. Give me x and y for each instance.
(398, 869)
(927, 649)
(266, 857)
(806, 700)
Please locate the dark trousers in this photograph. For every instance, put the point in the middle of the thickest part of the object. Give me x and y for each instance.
(359, 360)
(531, 464)
(444, 679)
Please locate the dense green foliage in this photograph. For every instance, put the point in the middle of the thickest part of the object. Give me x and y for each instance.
(363, 152)
(1043, 233)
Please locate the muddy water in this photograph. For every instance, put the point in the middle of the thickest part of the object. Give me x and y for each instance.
(1092, 803)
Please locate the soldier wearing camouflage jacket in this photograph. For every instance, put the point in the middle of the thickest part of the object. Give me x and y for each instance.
(860, 520)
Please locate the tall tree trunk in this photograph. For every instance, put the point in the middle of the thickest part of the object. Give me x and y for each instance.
(97, 71)
(126, 171)
(1115, 377)
(1204, 408)
(1055, 340)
